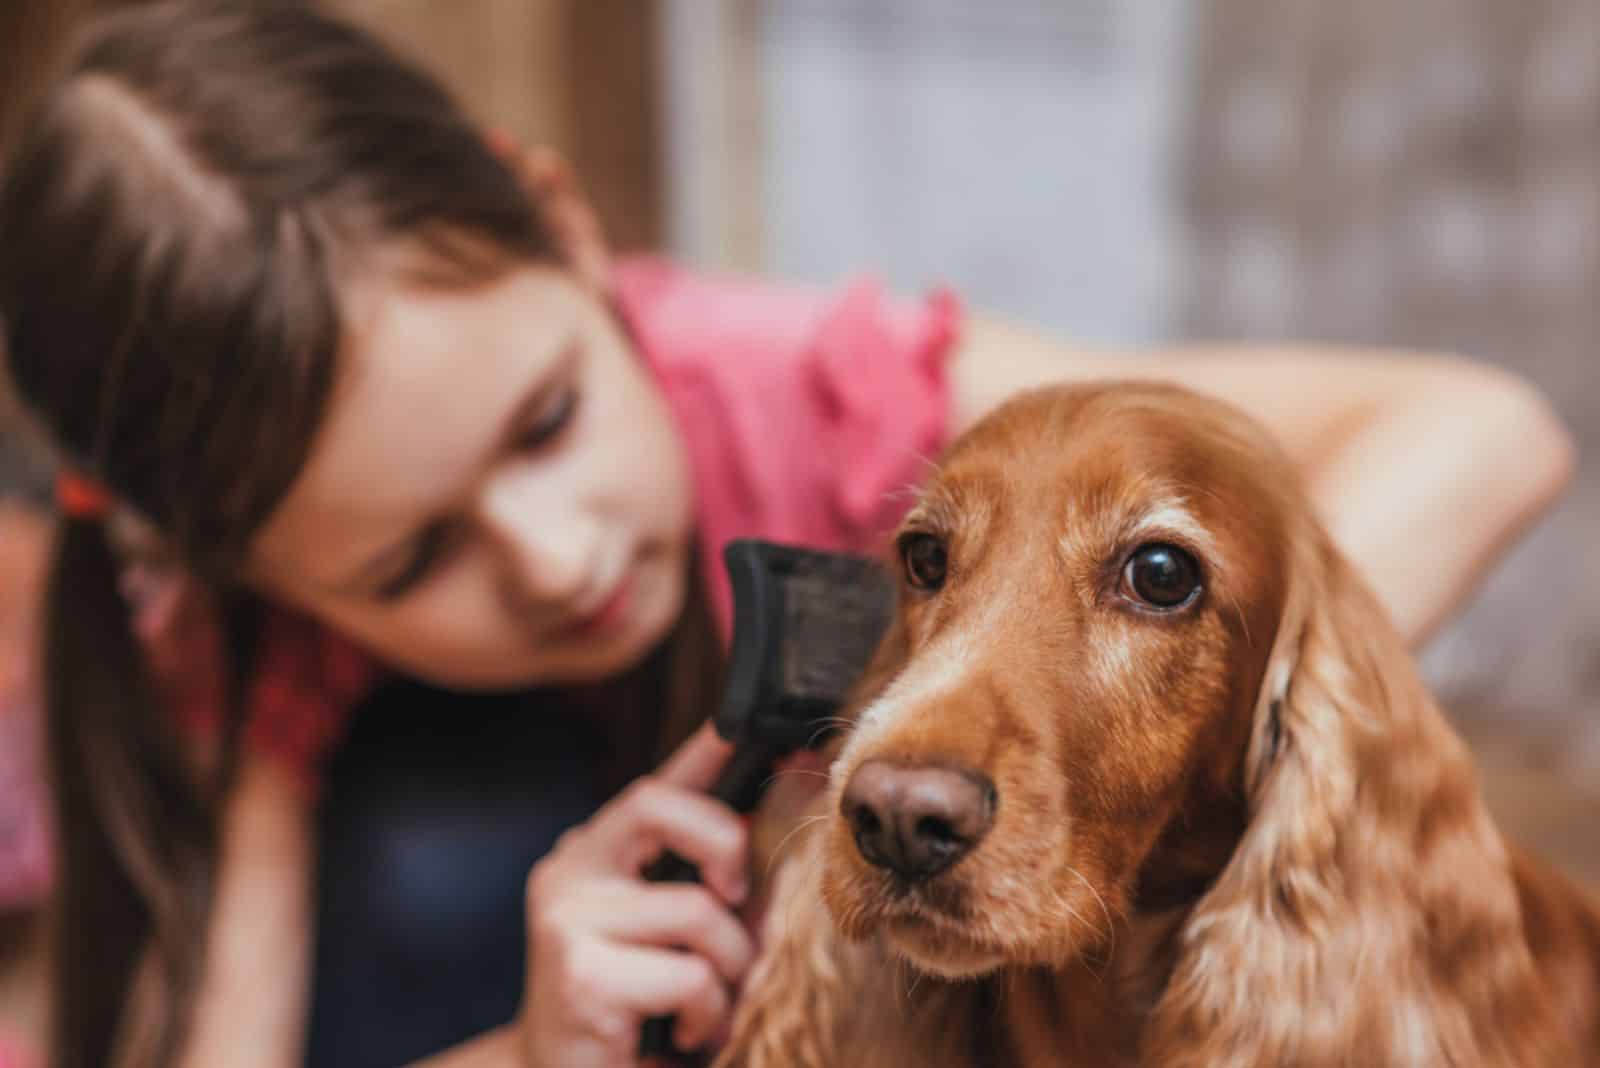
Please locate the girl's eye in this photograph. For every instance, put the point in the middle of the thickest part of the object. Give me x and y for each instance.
(432, 548)
(438, 541)
(552, 419)
(925, 560)
(1161, 576)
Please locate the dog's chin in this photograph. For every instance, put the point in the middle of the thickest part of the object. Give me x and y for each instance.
(931, 927)
(938, 951)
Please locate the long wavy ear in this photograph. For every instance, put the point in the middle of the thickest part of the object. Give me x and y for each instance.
(1369, 914)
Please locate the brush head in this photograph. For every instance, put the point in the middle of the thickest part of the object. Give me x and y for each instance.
(806, 623)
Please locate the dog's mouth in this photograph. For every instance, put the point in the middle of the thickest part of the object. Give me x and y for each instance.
(973, 917)
(934, 923)
(936, 938)
(884, 894)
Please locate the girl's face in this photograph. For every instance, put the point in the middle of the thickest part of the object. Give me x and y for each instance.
(499, 497)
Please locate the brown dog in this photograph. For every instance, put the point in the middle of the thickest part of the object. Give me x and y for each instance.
(1147, 778)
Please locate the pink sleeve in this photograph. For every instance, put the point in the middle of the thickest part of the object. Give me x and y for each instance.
(26, 820)
(879, 406)
(808, 414)
(306, 679)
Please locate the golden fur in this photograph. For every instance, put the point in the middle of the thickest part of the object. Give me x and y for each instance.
(1239, 834)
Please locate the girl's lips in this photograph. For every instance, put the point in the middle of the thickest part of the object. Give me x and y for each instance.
(608, 617)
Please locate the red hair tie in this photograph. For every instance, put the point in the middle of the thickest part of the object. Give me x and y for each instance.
(501, 143)
(81, 497)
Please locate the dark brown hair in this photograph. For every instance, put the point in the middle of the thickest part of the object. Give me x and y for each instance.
(173, 227)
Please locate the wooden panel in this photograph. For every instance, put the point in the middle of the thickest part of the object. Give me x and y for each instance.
(1426, 175)
(502, 58)
(579, 75)
(32, 35)
(613, 119)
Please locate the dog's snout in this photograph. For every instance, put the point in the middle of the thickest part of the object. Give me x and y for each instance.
(917, 821)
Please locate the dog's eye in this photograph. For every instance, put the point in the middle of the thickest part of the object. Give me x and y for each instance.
(924, 558)
(1162, 576)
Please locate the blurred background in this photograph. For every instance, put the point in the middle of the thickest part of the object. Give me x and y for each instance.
(1411, 173)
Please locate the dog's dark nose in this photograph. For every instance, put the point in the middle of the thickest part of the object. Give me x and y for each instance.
(917, 821)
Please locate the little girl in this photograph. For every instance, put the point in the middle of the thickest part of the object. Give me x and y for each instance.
(389, 576)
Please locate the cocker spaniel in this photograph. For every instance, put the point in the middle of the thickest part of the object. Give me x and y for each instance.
(1143, 775)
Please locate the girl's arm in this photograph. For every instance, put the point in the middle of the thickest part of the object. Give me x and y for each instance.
(1424, 468)
(252, 1008)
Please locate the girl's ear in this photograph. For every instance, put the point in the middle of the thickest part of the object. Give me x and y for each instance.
(562, 205)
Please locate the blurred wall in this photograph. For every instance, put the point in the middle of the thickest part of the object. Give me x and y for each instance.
(580, 75)
(1017, 149)
(1424, 174)
(32, 35)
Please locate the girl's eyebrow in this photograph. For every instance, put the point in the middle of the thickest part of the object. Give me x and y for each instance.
(389, 559)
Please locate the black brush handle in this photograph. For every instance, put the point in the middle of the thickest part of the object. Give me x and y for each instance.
(739, 786)
(655, 1042)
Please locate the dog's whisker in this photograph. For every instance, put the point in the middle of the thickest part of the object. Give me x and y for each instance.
(902, 983)
(1074, 914)
(826, 723)
(1238, 610)
(1111, 926)
(834, 721)
(916, 980)
(797, 771)
(777, 852)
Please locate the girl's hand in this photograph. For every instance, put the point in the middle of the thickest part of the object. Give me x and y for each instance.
(602, 942)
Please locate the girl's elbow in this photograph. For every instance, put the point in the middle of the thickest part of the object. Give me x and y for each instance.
(1519, 428)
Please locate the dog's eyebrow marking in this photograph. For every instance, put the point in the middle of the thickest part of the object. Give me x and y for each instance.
(939, 671)
(934, 673)
(934, 509)
(1167, 515)
(1171, 516)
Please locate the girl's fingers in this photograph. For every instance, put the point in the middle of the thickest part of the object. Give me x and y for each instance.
(696, 763)
(672, 916)
(657, 982)
(651, 816)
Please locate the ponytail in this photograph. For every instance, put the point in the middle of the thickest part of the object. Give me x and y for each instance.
(137, 838)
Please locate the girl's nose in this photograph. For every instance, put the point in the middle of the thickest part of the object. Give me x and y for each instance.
(548, 543)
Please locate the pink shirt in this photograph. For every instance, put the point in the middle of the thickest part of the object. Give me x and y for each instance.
(807, 413)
